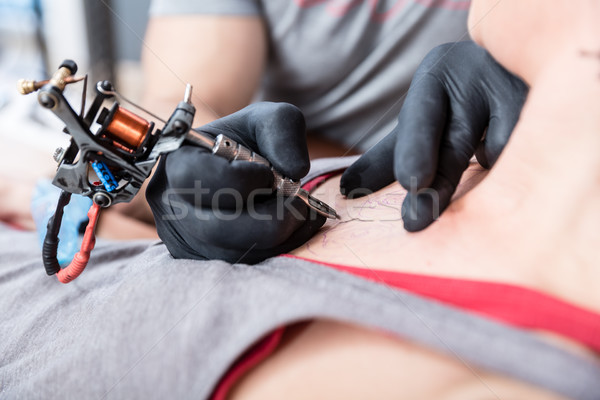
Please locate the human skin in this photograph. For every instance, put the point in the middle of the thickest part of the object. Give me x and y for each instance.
(368, 236)
(368, 229)
(532, 221)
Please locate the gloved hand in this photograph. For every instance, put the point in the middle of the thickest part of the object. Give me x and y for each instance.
(206, 207)
(458, 91)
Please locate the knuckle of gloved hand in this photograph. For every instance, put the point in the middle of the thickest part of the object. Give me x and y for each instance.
(288, 113)
(462, 146)
(283, 139)
(438, 52)
(273, 116)
(413, 172)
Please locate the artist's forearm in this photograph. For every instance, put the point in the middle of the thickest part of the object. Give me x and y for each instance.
(221, 56)
(117, 226)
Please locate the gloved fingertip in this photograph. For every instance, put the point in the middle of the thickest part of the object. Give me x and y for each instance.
(482, 158)
(416, 225)
(419, 211)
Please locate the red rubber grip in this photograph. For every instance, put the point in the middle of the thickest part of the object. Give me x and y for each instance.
(80, 261)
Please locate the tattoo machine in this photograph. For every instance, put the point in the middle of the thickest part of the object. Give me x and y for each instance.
(110, 164)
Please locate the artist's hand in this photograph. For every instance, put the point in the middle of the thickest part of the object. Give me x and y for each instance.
(207, 207)
(458, 91)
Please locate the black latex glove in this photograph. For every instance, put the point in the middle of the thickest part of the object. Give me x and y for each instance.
(206, 207)
(458, 91)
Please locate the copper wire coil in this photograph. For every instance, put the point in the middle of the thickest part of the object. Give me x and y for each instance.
(127, 128)
(121, 146)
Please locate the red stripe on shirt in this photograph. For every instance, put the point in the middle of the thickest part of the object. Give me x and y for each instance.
(515, 305)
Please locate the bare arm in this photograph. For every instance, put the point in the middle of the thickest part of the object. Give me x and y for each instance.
(221, 56)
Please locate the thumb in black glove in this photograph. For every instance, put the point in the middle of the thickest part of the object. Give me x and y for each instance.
(206, 207)
(457, 92)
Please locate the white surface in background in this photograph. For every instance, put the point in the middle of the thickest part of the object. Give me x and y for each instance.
(28, 133)
(65, 32)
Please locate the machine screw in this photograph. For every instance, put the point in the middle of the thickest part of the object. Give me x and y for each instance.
(180, 127)
(102, 199)
(58, 155)
(46, 100)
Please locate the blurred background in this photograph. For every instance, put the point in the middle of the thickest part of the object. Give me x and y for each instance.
(104, 37)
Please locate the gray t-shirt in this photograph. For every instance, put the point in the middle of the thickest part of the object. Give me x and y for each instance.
(346, 64)
(138, 324)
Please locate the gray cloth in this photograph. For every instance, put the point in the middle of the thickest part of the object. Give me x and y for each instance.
(138, 324)
(346, 65)
(322, 166)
